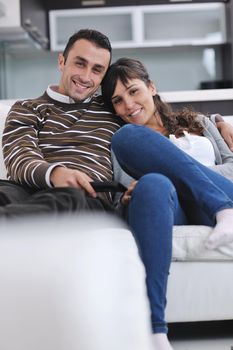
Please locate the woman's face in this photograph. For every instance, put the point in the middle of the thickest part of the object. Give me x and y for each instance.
(134, 102)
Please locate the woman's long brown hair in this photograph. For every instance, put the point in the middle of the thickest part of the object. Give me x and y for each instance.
(176, 122)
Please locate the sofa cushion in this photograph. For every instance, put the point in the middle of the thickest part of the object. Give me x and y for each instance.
(189, 245)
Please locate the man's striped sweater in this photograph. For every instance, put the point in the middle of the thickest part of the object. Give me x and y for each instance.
(42, 133)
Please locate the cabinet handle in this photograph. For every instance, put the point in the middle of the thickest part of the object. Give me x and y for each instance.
(180, 0)
(27, 22)
(93, 2)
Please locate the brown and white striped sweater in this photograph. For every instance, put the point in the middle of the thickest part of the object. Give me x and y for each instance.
(41, 133)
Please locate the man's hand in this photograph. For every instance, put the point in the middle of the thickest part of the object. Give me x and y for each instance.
(127, 195)
(64, 177)
(226, 131)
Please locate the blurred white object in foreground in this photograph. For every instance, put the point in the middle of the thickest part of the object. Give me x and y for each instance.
(71, 283)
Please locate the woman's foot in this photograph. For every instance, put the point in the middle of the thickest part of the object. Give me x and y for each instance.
(160, 342)
(222, 233)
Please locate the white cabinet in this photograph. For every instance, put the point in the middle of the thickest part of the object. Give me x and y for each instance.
(116, 22)
(187, 24)
(144, 26)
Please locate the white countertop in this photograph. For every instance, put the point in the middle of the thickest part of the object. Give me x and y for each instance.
(197, 95)
(185, 96)
(178, 96)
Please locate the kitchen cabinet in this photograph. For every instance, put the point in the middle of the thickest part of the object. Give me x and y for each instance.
(144, 26)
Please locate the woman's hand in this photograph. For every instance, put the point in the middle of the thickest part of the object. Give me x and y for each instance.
(65, 177)
(226, 130)
(127, 195)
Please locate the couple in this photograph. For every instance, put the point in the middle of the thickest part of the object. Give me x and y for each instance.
(56, 145)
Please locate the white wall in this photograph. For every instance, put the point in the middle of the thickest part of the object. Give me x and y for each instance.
(29, 71)
(174, 69)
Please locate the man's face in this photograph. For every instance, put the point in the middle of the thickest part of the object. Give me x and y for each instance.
(83, 70)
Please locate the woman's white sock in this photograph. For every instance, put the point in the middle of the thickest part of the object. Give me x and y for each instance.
(160, 342)
(222, 233)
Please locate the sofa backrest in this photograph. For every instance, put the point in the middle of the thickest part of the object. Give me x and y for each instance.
(4, 109)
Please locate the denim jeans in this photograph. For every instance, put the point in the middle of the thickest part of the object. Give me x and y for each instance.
(172, 189)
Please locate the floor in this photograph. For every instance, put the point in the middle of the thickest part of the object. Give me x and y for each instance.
(202, 336)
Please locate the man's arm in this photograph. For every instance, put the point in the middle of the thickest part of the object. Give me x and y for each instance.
(226, 129)
(224, 166)
(23, 158)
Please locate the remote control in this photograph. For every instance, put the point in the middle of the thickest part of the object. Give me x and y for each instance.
(108, 186)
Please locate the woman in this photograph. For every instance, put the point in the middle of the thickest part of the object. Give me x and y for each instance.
(172, 188)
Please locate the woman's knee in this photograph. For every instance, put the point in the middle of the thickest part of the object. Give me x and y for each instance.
(126, 135)
(123, 132)
(153, 184)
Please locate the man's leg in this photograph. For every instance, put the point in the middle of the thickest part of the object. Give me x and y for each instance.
(11, 192)
(55, 200)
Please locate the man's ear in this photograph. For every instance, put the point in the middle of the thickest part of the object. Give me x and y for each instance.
(61, 61)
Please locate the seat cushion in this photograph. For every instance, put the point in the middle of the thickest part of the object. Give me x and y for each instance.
(189, 245)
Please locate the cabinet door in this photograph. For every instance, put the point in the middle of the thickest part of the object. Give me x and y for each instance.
(184, 24)
(115, 23)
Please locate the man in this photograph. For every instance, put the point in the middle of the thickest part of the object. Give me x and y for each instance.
(55, 145)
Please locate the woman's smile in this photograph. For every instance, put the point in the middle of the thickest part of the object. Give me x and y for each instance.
(134, 102)
(135, 113)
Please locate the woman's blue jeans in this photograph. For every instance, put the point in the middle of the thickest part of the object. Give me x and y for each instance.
(172, 189)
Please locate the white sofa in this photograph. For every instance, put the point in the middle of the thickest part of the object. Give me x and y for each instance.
(200, 285)
(66, 284)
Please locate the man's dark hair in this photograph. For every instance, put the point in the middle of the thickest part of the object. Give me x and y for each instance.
(97, 38)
